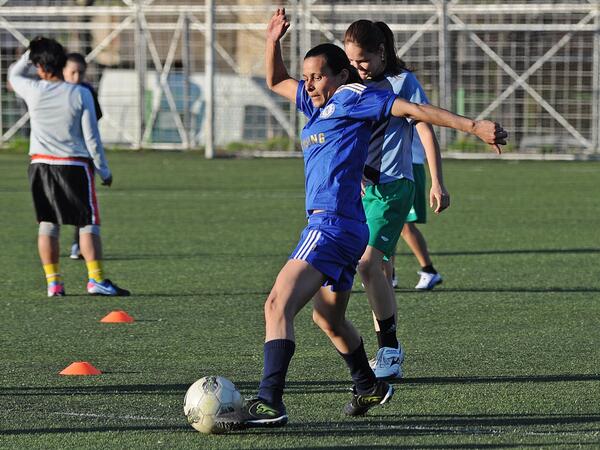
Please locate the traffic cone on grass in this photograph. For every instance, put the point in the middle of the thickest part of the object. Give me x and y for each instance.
(117, 317)
(80, 368)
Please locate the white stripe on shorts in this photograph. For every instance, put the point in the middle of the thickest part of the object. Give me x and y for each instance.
(308, 245)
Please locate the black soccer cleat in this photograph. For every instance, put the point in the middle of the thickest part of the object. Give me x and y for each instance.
(254, 412)
(381, 393)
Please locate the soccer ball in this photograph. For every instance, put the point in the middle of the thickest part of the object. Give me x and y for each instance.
(208, 397)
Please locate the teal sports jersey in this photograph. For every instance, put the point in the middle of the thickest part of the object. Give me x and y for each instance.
(335, 143)
(391, 146)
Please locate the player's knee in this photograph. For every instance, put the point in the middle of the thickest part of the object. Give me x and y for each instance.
(366, 266)
(90, 229)
(274, 307)
(318, 319)
(49, 229)
(329, 324)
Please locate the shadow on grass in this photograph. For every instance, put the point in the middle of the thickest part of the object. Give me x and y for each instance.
(212, 256)
(438, 291)
(381, 426)
(230, 255)
(560, 378)
(516, 251)
(308, 387)
(442, 290)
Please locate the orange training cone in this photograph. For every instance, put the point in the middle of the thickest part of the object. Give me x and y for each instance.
(80, 368)
(117, 317)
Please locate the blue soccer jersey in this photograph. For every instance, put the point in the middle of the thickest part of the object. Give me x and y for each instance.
(390, 149)
(335, 143)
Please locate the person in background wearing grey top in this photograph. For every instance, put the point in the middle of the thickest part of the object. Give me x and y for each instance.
(65, 151)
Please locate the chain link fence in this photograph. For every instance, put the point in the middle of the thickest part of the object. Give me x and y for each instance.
(190, 74)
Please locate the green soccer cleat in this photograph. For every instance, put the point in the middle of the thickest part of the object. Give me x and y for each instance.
(381, 393)
(254, 412)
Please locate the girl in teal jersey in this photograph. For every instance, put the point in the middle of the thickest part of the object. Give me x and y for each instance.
(390, 184)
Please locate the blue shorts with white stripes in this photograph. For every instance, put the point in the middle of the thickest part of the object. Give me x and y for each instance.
(333, 245)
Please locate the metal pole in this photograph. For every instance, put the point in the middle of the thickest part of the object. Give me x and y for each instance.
(1, 106)
(140, 66)
(444, 68)
(209, 88)
(596, 85)
(305, 41)
(294, 69)
(186, 61)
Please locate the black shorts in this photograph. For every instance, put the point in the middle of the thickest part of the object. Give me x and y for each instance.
(63, 190)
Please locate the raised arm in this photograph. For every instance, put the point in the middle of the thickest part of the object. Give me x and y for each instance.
(277, 77)
(17, 76)
(439, 198)
(489, 132)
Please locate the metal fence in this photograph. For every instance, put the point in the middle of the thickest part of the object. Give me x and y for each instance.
(190, 74)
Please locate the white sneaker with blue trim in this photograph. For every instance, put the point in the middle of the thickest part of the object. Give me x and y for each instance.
(387, 364)
(428, 281)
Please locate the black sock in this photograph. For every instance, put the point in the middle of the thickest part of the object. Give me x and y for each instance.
(386, 336)
(360, 371)
(429, 269)
(277, 356)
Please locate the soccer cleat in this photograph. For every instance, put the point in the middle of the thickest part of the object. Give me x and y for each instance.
(387, 364)
(75, 251)
(254, 412)
(106, 287)
(394, 280)
(381, 393)
(56, 289)
(428, 281)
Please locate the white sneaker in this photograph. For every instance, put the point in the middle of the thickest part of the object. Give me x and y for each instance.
(428, 281)
(75, 251)
(387, 365)
(394, 282)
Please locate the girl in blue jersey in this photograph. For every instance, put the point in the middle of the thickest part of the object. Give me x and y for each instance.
(340, 114)
(390, 181)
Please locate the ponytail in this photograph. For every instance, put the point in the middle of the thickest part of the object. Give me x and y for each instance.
(393, 64)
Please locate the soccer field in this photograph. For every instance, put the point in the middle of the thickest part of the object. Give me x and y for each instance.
(505, 353)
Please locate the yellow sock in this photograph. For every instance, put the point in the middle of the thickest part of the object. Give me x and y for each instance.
(95, 271)
(52, 272)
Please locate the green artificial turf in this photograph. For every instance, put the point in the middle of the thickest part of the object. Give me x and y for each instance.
(505, 353)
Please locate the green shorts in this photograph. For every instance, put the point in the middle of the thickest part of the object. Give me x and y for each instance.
(386, 207)
(418, 212)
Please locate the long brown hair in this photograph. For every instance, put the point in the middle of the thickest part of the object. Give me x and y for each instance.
(370, 36)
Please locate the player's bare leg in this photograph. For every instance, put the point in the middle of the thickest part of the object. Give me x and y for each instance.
(295, 285)
(417, 244)
(329, 313)
(91, 250)
(48, 248)
(388, 361)
(379, 291)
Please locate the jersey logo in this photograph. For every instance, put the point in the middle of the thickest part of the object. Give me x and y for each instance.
(328, 111)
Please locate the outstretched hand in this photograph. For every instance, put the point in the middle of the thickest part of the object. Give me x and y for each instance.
(278, 25)
(491, 133)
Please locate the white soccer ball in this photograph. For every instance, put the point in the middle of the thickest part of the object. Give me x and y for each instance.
(208, 397)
